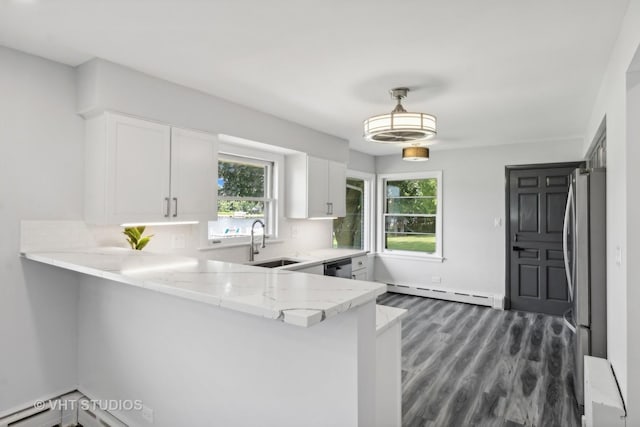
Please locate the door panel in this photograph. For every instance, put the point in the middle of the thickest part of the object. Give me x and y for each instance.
(536, 202)
(318, 191)
(529, 280)
(556, 202)
(139, 153)
(194, 173)
(528, 212)
(556, 275)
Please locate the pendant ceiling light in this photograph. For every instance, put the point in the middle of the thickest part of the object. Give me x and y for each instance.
(399, 125)
(415, 154)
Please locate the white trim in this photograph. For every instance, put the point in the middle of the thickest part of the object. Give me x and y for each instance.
(409, 256)
(469, 297)
(438, 255)
(277, 184)
(369, 233)
(30, 404)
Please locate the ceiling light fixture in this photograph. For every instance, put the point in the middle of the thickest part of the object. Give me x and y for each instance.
(415, 154)
(400, 125)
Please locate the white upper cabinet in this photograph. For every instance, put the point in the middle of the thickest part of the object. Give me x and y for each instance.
(141, 171)
(338, 188)
(194, 173)
(315, 188)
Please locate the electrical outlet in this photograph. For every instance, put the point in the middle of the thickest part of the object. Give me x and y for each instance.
(618, 255)
(436, 279)
(294, 231)
(179, 241)
(147, 413)
(497, 222)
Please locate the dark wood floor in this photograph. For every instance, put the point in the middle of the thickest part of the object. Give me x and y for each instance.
(465, 365)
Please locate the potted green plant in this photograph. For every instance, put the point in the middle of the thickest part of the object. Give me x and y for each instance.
(135, 238)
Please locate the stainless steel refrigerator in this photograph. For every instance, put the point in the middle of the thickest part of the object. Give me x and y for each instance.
(584, 244)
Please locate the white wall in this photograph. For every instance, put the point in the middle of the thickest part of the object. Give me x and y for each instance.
(633, 250)
(473, 197)
(362, 162)
(41, 171)
(623, 315)
(196, 365)
(105, 85)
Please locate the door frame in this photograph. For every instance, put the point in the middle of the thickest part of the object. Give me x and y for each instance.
(507, 217)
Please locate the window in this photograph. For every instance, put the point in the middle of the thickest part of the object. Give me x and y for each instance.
(354, 230)
(245, 193)
(411, 220)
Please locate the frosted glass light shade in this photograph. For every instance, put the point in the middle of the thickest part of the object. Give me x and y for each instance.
(399, 127)
(415, 154)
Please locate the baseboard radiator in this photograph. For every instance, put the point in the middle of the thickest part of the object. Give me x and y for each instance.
(63, 411)
(44, 416)
(603, 405)
(494, 301)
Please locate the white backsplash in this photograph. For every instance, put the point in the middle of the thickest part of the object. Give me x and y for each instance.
(295, 236)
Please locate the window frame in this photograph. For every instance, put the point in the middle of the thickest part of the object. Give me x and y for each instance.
(381, 211)
(273, 162)
(368, 232)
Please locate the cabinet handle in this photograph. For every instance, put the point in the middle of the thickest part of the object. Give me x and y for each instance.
(329, 208)
(353, 276)
(167, 207)
(175, 210)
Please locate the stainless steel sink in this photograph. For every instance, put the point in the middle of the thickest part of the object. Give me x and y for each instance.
(276, 263)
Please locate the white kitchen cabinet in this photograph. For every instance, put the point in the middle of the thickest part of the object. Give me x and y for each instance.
(315, 188)
(138, 171)
(194, 175)
(359, 267)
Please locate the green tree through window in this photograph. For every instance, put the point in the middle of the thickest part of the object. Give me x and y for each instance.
(410, 217)
(244, 195)
(349, 231)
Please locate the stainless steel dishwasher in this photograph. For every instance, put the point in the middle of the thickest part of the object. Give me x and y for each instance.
(339, 268)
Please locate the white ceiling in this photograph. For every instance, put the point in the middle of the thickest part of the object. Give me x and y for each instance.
(493, 71)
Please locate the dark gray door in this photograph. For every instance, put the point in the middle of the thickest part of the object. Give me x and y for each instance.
(536, 279)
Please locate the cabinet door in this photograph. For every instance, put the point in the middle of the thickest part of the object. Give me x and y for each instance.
(138, 172)
(318, 187)
(360, 274)
(338, 188)
(194, 173)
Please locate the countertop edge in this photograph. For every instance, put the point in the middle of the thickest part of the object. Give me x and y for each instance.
(297, 317)
(387, 316)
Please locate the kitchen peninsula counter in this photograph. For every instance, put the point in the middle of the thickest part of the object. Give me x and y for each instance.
(294, 298)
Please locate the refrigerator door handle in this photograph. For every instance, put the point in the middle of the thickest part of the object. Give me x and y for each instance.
(567, 322)
(565, 238)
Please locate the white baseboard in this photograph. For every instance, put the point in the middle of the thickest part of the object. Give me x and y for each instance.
(65, 410)
(29, 405)
(477, 298)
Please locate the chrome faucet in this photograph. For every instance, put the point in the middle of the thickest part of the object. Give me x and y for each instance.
(252, 248)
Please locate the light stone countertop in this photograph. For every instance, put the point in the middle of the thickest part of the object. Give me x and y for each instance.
(387, 316)
(294, 298)
(313, 257)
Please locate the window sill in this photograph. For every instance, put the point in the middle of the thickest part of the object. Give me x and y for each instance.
(224, 245)
(427, 258)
